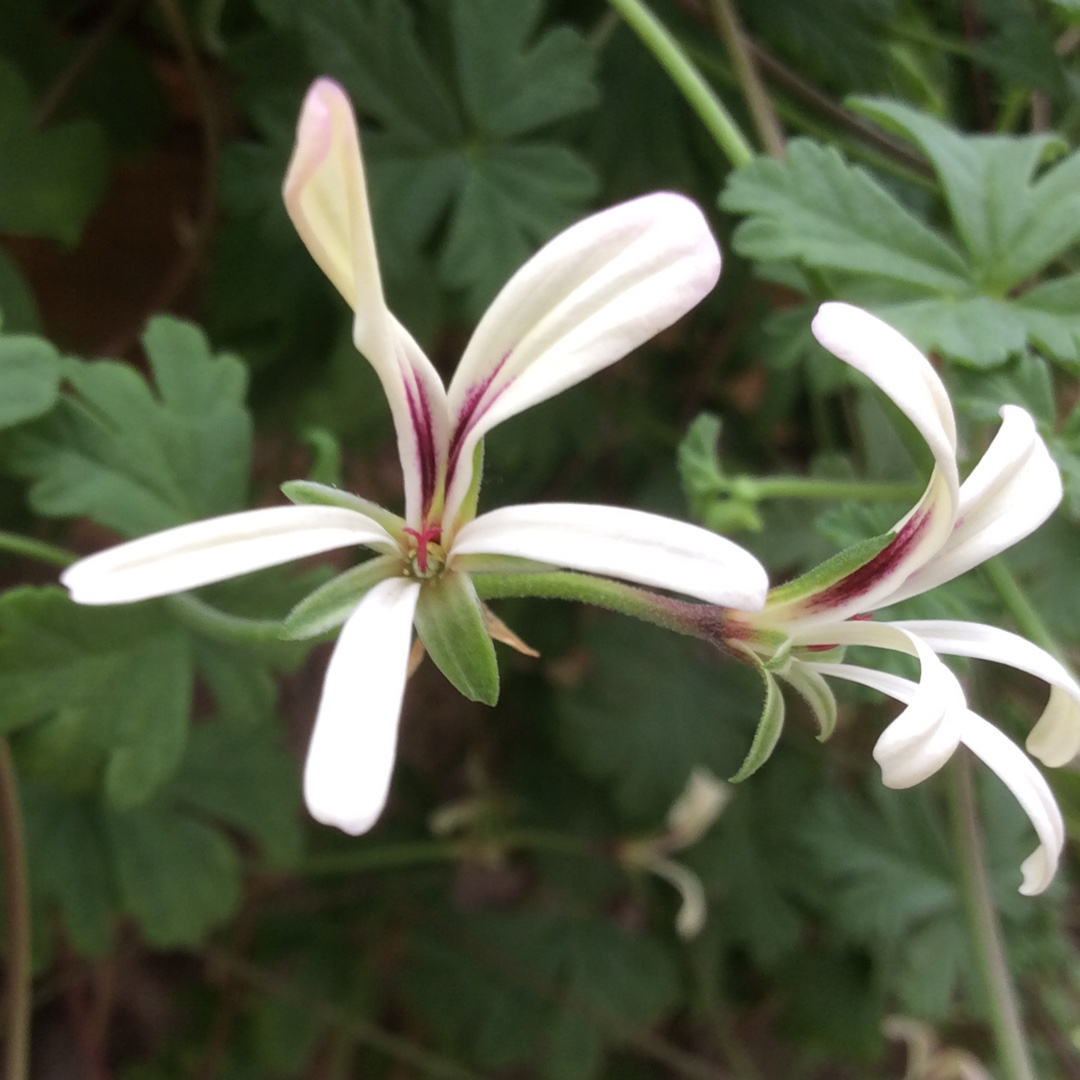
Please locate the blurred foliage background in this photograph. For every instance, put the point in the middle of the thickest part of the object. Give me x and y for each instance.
(169, 351)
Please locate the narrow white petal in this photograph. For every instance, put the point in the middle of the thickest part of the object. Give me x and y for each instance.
(326, 196)
(1014, 488)
(884, 355)
(1030, 790)
(1000, 754)
(925, 735)
(586, 299)
(351, 755)
(223, 547)
(1055, 739)
(628, 544)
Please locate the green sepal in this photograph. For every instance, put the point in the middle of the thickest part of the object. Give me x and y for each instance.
(450, 622)
(768, 730)
(780, 660)
(331, 604)
(830, 571)
(817, 693)
(310, 493)
(467, 510)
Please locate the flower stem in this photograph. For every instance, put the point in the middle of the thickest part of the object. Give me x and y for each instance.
(699, 94)
(754, 489)
(753, 90)
(1024, 613)
(681, 616)
(198, 615)
(17, 910)
(983, 923)
(29, 548)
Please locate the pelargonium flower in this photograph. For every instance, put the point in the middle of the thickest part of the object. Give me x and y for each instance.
(953, 527)
(592, 294)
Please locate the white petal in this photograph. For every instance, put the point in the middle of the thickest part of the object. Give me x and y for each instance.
(1055, 739)
(1031, 791)
(925, 735)
(586, 299)
(351, 755)
(628, 544)
(1002, 756)
(887, 357)
(326, 195)
(1014, 488)
(223, 547)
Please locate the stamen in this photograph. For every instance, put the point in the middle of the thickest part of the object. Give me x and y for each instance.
(430, 535)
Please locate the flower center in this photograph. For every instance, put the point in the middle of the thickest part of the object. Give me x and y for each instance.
(427, 558)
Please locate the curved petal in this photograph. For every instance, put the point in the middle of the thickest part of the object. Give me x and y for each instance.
(350, 757)
(1014, 488)
(1055, 739)
(925, 735)
(586, 299)
(1000, 754)
(628, 544)
(223, 547)
(884, 355)
(1030, 790)
(326, 196)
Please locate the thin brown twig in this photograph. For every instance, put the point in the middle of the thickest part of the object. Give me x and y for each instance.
(83, 61)
(17, 911)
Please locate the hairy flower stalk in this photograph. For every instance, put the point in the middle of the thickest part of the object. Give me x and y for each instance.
(801, 630)
(586, 299)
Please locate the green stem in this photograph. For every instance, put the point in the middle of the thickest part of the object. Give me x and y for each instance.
(698, 93)
(421, 852)
(754, 489)
(680, 616)
(753, 90)
(17, 911)
(1024, 613)
(198, 615)
(29, 548)
(983, 923)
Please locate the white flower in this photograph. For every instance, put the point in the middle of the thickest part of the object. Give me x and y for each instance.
(587, 298)
(953, 527)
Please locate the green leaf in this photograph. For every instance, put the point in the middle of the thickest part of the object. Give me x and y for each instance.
(29, 378)
(127, 672)
(650, 707)
(50, 179)
(239, 775)
(584, 985)
(1012, 225)
(136, 461)
(818, 210)
(770, 725)
(331, 604)
(18, 311)
(177, 876)
(462, 158)
(450, 622)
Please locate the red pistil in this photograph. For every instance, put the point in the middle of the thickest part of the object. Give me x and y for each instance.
(854, 618)
(431, 535)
